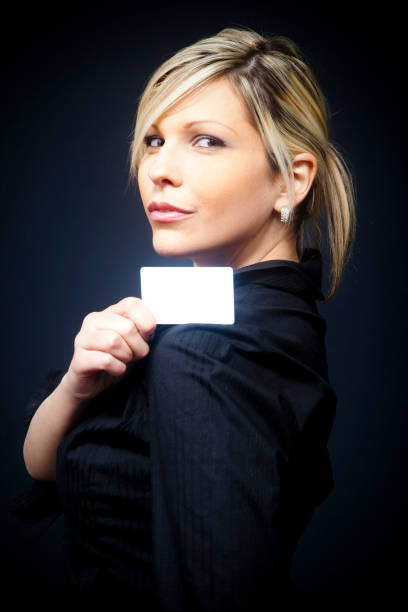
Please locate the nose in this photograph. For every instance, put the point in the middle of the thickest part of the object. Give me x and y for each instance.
(165, 166)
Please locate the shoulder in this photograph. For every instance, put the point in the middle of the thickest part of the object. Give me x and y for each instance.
(275, 360)
(198, 374)
(277, 327)
(206, 346)
(264, 330)
(206, 337)
(186, 355)
(250, 352)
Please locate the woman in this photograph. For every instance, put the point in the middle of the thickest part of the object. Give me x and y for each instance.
(188, 465)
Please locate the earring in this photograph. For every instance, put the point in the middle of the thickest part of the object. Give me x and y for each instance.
(285, 213)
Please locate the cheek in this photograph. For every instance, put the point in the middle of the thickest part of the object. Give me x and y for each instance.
(144, 185)
(141, 180)
(217, 185)
(232, 192)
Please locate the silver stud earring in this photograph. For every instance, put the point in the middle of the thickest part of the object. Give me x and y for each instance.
(285, 213)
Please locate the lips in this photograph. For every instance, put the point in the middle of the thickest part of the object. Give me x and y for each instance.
(166, 207)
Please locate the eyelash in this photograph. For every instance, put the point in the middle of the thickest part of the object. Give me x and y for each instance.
(217, 141)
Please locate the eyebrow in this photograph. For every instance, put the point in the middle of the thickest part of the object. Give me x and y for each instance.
(191, 123)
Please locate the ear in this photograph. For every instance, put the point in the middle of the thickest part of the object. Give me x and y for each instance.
(304, 170)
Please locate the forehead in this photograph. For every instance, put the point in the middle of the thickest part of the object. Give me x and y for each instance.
(217, 100)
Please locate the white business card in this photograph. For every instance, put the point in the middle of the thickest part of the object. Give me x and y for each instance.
(189, 294)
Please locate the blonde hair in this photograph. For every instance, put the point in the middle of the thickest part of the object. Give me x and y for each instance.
(286, 105)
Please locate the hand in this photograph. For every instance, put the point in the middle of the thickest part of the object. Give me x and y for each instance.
(106, 343)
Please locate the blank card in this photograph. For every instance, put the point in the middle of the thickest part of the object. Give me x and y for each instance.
(189, 294)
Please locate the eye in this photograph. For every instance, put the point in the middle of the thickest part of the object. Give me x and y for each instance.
(148, 140)
(214, 142)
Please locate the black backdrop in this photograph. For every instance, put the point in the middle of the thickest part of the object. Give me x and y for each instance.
(75, 236)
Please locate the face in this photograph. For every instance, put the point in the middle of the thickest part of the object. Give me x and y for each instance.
(217, 170)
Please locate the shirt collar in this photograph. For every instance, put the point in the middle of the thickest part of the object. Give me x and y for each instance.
(304, 278)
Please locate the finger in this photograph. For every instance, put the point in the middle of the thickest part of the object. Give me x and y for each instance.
(89, 361)
(111, 321)
(106, 340)
(136, 310)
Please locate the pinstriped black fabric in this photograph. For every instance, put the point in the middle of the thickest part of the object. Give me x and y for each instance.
(189, 483)
(240, 418)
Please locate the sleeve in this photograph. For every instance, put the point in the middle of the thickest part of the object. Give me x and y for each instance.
(39, 505)
(225, 443)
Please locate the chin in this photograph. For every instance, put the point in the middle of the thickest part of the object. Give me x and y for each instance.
(166, 249)
(172, 246)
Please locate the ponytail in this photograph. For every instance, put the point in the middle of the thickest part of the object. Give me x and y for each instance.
(330, 204)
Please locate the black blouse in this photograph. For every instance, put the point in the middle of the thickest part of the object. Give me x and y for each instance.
(188, 484)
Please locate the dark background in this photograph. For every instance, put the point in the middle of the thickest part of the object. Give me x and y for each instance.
(75, 236)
